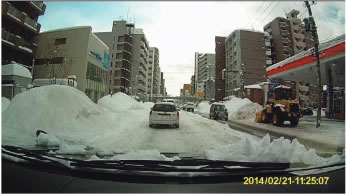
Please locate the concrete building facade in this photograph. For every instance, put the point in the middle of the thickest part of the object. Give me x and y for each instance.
(153, 72)
(139, 61)
(245, 47)
(120, 42)
(203, 61)
(220, 61)
(287, 37)
(19, 27)
(74, 51)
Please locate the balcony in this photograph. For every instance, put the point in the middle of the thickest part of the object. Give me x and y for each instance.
(17, 41)
(269, 62)
(21, 18)
(268, 53)
(267, 43)
(39, 5)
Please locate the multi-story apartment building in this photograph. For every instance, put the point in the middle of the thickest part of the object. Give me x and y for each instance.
(153, 73)
(19, 27)
(220, 62)
(287, 37)
(245, 47)
(150, 72)
(203, 61)
(120, 42)
(193, 85)
(187, 90)
(139, 61)
(162, 86)
(209, 83)
(73, 51)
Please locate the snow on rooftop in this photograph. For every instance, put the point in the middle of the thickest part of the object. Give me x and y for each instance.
(282, 86)
(254, 86)
(16, 69)
(68, 28)
(323, 45)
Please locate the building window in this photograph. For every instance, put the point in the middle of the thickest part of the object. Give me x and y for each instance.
(111, 64)
(60, 41)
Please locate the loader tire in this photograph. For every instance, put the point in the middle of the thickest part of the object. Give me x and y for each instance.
(277, 119)
(264, 117)
(294, 121)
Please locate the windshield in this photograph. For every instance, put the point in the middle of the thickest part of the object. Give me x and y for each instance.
(219, 108)
(90, 82)
(164, 108)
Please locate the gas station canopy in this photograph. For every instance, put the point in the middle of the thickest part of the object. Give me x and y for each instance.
(302, 67)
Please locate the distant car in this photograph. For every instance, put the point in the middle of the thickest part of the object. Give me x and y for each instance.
(184, 106)
(307, 111)
(164, 113)
(218, 111)
(190, 107)
(169, 100)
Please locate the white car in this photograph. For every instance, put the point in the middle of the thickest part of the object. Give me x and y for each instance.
(164, 113)
(190, 107)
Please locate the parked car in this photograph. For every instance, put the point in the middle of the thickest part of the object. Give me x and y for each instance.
(164, 113)
(218, 111)
(190, 107)
(307, 111)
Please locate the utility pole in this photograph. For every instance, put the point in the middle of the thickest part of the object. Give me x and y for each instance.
(310, 26)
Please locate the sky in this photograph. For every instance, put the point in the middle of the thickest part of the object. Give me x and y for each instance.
(179, 29)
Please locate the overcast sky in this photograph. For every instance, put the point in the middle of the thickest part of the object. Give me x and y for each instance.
(179, 29)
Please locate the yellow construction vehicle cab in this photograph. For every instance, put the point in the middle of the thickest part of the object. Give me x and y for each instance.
(282, 107)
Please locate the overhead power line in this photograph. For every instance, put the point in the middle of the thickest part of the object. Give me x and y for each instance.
(253, 16)
(252, 24)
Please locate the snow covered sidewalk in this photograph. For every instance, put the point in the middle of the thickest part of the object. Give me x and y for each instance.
(330, 137)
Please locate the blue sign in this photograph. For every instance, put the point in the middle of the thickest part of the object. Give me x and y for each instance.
(96, 55)
(106, 60)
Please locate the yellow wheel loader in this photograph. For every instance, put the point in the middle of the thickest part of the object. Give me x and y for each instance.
(281, 108)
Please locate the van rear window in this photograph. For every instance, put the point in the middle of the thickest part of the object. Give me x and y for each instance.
(164, 108)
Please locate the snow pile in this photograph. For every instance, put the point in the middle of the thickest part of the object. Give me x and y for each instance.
(148, 105)
(4, 103)
(203, 107)
(143, 155)
(279, 150)
(71, 149)
(54, 109)
(241, 108)
(47, 140)
(119, 102)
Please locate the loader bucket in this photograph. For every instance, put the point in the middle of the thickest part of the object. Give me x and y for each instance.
(258, 117)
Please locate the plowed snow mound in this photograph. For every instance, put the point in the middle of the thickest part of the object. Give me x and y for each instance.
(53, 108)
(265, 150)
(4, 103)
(242, 108)
(203, 107)
(119, 102)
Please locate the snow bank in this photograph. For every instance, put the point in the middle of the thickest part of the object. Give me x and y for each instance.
(54, 109)
(203, 107)
(241, 108)
(279, 150)
(4, 103)
(119, 102)
(47, 140)
(143, 155)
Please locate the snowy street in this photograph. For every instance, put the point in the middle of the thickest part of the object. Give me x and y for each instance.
(118, 126)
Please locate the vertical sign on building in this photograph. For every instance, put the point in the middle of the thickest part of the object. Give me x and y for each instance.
(106, 60)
